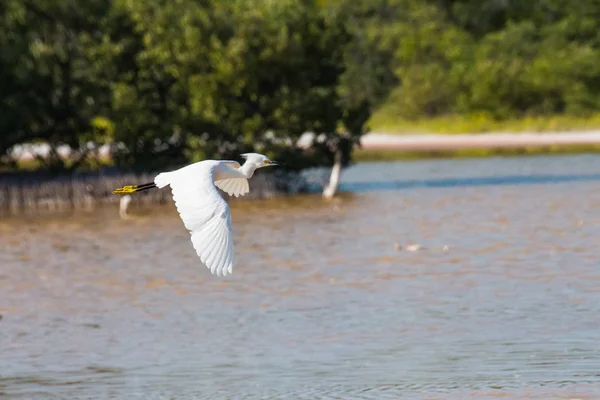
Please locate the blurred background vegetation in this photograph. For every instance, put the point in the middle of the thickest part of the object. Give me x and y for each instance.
(167, 82)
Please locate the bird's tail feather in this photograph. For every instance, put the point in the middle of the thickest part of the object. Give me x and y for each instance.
(134, 188)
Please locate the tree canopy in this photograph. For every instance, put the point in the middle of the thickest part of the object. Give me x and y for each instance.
(168, 82)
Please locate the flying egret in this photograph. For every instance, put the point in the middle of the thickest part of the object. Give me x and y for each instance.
(203, 211)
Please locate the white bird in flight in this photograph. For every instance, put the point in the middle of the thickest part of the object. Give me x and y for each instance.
(201, 207)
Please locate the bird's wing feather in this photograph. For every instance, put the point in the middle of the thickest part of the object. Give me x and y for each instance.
(234, 186)
(206, 215)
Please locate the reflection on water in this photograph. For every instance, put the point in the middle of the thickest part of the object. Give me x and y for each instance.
(501, 301)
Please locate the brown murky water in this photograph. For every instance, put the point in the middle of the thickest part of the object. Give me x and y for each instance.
(328, 299)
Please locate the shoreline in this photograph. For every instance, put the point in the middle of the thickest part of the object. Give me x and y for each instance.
(34, 191)
(376, 140)
(498, 140)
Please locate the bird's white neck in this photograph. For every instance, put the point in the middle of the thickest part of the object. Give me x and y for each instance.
(247, 169)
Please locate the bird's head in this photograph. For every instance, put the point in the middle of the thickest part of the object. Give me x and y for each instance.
(258, 160)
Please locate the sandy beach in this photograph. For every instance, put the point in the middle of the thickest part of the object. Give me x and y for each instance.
(472, 141)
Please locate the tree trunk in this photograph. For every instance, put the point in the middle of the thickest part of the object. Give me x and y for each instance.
(334, 179)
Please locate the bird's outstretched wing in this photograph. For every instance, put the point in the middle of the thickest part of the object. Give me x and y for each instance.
(206, 215)
(233, 186)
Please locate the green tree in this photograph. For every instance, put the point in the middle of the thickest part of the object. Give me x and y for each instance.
(275, 69)
(165, 57)
(52, 71)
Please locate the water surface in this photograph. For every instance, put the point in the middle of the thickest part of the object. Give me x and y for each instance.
(501, 299)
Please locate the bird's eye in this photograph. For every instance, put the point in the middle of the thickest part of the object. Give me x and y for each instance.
(267, 161)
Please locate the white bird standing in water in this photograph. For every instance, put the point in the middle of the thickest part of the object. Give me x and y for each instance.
(203, 210)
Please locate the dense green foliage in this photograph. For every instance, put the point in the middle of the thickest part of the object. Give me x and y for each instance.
(54, 85)
(503, 59)
(168, 82)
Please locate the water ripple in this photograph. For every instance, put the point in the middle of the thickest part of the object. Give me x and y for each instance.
(497, 298)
